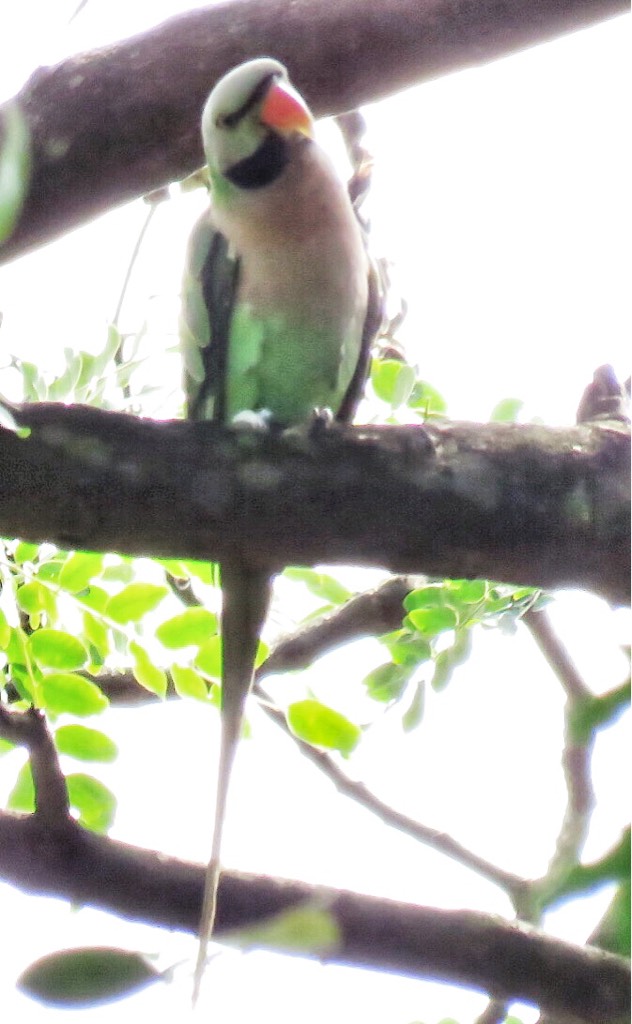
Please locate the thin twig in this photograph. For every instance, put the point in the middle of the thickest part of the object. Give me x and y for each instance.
(541, 629)
(576, 755)
(374, 612)
(152, 207)
(512, 884)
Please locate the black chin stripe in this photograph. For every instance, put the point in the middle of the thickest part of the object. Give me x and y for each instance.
(263, 167)
(259, 91)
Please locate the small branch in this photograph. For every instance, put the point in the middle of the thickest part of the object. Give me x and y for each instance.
(515, 503)
(494, 1013)
(372, 613)
(28, 729)
(377, 611)
(512, 884)
(576, 755)
(369, 614)
(570, 679)
(584, 986)
(152, 207)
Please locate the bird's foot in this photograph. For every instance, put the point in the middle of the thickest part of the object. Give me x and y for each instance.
(249, 419)
(320, 420)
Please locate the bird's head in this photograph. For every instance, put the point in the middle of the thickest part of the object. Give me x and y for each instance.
(250, 121)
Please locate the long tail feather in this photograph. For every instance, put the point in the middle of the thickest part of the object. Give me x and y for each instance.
(245, 602)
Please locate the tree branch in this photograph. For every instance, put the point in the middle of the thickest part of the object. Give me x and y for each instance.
(114, 123)
(514, 886)
(576, 755)
(29, 729)
(524, 504)
(581, 985)
(376, 611)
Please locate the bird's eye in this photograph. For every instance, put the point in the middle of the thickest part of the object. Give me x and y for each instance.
(229, 120)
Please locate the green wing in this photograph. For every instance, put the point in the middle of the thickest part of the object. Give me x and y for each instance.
(372, 323)
(208, 297)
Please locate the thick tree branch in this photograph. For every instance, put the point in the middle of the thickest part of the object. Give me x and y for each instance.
(114, 123)
(583, 986)
(516, 503)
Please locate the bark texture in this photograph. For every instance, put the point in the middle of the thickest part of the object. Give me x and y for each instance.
(580, 985)
(112, 124)
(540, 506)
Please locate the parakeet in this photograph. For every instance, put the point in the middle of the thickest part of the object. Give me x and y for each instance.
(280, 304)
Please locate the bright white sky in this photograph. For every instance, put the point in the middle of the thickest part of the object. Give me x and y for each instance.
(502, 196)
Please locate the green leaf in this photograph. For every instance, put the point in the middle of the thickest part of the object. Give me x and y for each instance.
(425, 597)
(106, 355)
(415, 712)
(134, 601)
(14, 167)
(22, 796)
(192, 627)
(392, 381)
(120, 572)
(33, 383)
(51, 648)
(507, 410)
(86, 976)
(613, 931)
(85, 744)
(467, 591)
(174, 567)
(6, 747)
(431, 621)
(209, 658)
(446, 661)
(205, 572)
(62, 692)
(25, 552)
(34, 598)
(5, 631)
(188, 683)
(426, 400)
(305, 929)
(95, 598)
(79, 569)
(387, 682)
(95, 803)
(321, 584)
(407, 648)
(96, 633)
(51, 568)
(322, 726)
(146, 673)
(86, 362)
(64, 385)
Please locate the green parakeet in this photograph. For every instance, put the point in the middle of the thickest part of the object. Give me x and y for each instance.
(280, 305)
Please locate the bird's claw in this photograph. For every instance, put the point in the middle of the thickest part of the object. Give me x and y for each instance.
(250, 419)
(320, 420)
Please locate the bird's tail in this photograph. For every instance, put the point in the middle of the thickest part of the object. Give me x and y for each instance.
(245, 602)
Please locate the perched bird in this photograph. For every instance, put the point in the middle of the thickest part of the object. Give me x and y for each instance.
(280, 305)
